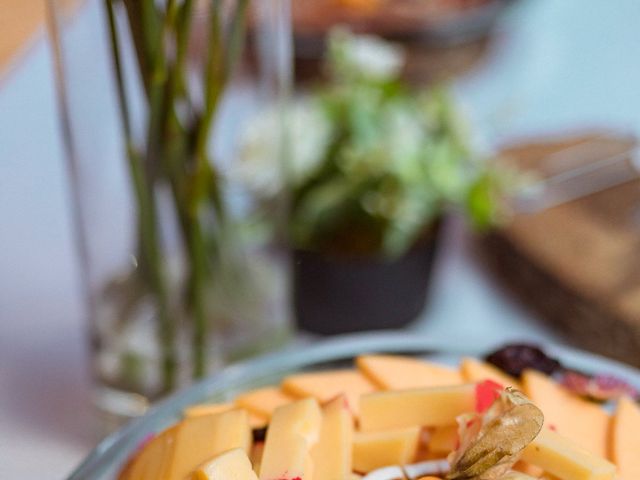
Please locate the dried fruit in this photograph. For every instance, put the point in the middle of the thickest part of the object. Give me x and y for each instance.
(490, 443)
(516, 358)
(599, 387)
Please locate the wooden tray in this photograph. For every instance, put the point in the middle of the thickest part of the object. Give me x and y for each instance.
(577, 264)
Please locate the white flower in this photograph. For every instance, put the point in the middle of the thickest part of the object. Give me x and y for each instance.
(368, 55)
(405, 138)
(263, 165)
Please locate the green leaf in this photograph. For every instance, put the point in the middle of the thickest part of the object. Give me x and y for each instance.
(481, 202)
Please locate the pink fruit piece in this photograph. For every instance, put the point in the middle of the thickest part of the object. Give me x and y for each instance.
(487, 392)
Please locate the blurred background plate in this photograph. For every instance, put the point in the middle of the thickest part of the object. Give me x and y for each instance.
(443, 38)
(443, 21)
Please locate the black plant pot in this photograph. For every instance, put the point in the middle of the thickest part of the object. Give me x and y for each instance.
(335, 295)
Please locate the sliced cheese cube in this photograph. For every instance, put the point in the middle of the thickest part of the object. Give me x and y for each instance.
(392, 372)
(256, 421)
(528, 469)
(518, 476)
(332, 454)
(563, 458)
(231, 465)
(429, 407)
(380, 449)
(263, 401)
(476, 371)
(582, 421)
(154, 459)
(202, 438)
(625, 445)
(309, 469)
(207, 409)
(327, 385)
(293, 431)
(443, 440)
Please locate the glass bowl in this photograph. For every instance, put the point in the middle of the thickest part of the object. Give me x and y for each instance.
(109, 456)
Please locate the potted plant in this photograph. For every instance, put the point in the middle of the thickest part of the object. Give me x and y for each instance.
(373, 166)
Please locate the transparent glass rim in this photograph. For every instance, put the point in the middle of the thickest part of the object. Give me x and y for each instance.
(116, 448)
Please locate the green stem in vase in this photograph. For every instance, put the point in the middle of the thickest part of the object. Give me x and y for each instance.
(159, 98)
(183, 27)
(190, 217)
(198, 185)
(197, 254)
(149, 258)
(144, 27)
(220, 64)
(205, 181)
(166, 142)
(176, 151)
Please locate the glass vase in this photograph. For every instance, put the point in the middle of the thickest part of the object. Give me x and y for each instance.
(181, 272)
